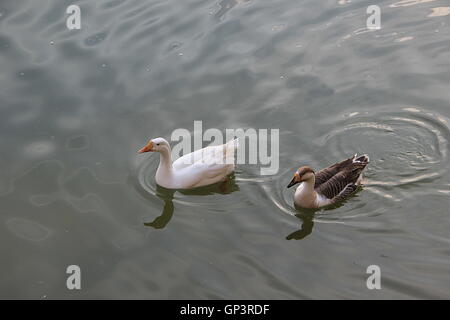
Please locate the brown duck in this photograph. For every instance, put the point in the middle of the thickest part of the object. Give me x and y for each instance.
(330, 185)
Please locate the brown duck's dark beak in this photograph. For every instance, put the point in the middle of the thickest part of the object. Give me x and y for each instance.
(294, 181)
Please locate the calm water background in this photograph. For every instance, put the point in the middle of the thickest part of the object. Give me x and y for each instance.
(76, 105)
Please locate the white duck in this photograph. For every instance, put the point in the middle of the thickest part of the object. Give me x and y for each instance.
(330, 185)
(200, 168)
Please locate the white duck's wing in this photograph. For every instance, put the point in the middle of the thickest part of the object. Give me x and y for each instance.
(206, 166)
(202, 173)
(209, 156)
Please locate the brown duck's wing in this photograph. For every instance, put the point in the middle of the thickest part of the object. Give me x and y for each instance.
(337, 183)
(326, 174)
(345, 193)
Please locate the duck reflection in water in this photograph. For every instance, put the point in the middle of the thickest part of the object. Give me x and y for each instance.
(225, 187)
(307, 218)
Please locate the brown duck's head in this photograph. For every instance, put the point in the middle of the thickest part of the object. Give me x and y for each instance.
(302, 174)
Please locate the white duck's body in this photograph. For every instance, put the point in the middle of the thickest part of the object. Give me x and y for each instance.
(200, 168)
(330, 185)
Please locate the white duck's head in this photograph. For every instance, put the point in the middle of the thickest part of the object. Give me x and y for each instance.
(155, 145)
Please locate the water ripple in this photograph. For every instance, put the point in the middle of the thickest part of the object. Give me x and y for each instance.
(409, 155)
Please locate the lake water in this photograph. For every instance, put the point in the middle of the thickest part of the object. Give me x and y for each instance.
(76, 105)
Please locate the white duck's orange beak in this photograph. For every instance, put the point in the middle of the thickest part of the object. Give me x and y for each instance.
(147, 148)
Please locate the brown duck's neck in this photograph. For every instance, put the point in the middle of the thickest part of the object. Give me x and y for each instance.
(305, 195)
(308, 185)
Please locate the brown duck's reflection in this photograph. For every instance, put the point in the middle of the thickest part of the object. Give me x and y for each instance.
(307, 217)
(225, 187)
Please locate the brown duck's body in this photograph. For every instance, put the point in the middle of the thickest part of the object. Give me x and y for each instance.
(330, 185)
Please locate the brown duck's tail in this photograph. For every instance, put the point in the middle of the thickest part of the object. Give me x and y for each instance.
(364, 159)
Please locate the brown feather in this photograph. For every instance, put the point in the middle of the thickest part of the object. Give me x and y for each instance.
(344, 194)
(333, 180)
(325, 174)
(304, 170)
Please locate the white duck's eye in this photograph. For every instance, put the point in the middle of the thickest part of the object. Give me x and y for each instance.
(157, 144)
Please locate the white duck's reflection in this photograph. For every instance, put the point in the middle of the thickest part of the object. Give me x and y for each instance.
(225, 187)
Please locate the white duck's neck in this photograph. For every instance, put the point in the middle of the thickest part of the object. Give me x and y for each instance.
(305, 194)
(164, 171)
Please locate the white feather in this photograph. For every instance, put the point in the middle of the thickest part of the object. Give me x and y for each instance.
(200, 168)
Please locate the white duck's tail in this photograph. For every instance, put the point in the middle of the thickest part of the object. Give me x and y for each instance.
(234, 144)
(230, 148)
